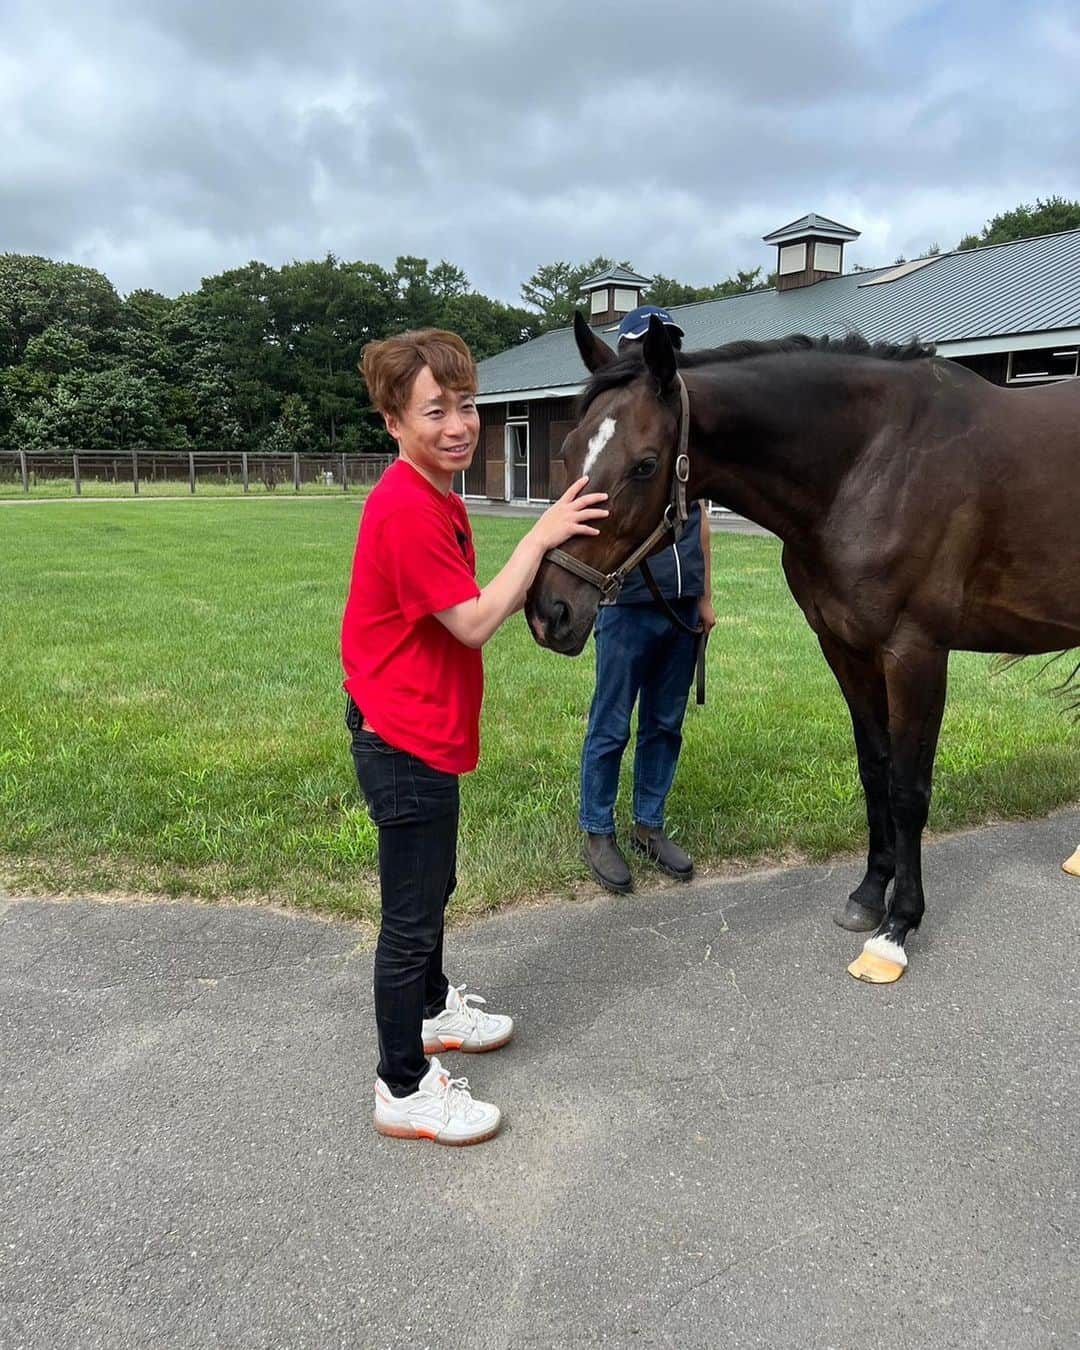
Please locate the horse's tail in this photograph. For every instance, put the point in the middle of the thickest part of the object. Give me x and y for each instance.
(1068, 689)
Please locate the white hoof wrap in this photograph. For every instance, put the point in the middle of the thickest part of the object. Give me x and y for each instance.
(887, 949)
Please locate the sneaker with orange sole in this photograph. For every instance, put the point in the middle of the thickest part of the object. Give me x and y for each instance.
(462, 1025)
(441, 1109)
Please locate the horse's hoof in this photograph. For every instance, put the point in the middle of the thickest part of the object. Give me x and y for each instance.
(1072, 864)
(881, 961)
(857, 918)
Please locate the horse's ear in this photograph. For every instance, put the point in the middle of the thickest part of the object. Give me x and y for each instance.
(660, 354)
(594, 351)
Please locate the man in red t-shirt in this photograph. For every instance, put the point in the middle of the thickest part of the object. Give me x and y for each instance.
(414, 623)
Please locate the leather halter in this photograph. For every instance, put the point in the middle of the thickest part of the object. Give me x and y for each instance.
(674, 518)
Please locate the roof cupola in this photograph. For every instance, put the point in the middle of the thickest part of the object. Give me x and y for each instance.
(613, 293)
(808, 250)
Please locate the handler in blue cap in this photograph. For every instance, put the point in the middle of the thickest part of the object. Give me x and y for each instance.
(643, 657)
(636, 324)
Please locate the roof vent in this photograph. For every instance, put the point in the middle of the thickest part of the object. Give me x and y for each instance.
(895, 273)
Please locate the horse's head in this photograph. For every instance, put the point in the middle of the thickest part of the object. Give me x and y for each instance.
(625, 443)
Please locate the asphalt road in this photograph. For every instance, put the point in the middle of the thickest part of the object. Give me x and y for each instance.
(714, 1136)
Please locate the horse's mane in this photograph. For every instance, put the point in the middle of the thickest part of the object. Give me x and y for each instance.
(629, 364)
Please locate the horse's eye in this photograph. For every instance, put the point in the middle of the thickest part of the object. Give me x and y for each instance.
(645, 468)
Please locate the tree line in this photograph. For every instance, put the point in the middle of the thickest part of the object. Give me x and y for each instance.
(258, 358)
(262, 358)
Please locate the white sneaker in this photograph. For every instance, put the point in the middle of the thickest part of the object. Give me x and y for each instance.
(462, 1026)
(442, 1108)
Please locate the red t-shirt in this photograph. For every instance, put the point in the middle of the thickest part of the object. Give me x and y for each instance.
(418, 687)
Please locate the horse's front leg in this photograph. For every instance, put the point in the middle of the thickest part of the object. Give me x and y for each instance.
(863, 685)
(915, 672)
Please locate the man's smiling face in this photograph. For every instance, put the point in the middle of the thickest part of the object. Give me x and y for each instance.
(437, 430)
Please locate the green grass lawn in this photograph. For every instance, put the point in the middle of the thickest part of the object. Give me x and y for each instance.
(171, 719)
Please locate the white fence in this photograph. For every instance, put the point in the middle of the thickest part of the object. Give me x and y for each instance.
(268, 472)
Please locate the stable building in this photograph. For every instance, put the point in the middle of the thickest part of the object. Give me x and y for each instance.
(1010, 312)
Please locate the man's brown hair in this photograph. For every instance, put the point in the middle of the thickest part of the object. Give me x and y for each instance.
(390, 367)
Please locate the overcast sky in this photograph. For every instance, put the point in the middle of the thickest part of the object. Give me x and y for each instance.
(165, 140)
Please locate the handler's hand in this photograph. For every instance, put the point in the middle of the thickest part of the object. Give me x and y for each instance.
(706, 614)
(569, 516)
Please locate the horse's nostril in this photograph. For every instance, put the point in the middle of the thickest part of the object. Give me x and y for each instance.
(560, 619)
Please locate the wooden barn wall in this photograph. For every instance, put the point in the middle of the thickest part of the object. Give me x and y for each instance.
(550, 421)
(487, 474)
(547, 429)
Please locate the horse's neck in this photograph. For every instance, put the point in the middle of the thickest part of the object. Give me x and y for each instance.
(774, 443)
(755, 497)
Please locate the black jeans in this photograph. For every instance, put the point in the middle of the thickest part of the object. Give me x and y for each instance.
(416, 810)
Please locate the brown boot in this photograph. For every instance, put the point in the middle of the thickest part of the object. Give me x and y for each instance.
(607, 864)
(659, 849)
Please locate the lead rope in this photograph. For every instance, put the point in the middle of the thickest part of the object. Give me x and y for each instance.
(698, 631)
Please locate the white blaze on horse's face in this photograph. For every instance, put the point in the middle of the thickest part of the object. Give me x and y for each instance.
(597, 441)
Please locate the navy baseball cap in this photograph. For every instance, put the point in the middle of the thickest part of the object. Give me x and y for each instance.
(636, 323)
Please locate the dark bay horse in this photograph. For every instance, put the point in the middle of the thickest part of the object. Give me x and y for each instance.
(921, 508)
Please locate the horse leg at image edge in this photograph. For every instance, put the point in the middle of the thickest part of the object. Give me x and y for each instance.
(863, 687)
(915, 678)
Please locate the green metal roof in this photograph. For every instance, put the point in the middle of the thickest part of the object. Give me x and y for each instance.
(974, 296)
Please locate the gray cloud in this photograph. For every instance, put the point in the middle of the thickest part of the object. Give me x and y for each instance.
(164, 142)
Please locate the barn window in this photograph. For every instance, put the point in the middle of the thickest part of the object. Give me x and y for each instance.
(1044, 363)
(625, 300)
(599, 302)
(827, 257)
(792, 259)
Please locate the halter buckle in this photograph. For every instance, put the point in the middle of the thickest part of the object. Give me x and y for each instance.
(682, 468)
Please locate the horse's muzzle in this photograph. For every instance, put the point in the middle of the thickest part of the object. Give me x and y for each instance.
(557, 625)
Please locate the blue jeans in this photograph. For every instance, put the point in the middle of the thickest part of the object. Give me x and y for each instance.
(640, 657)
